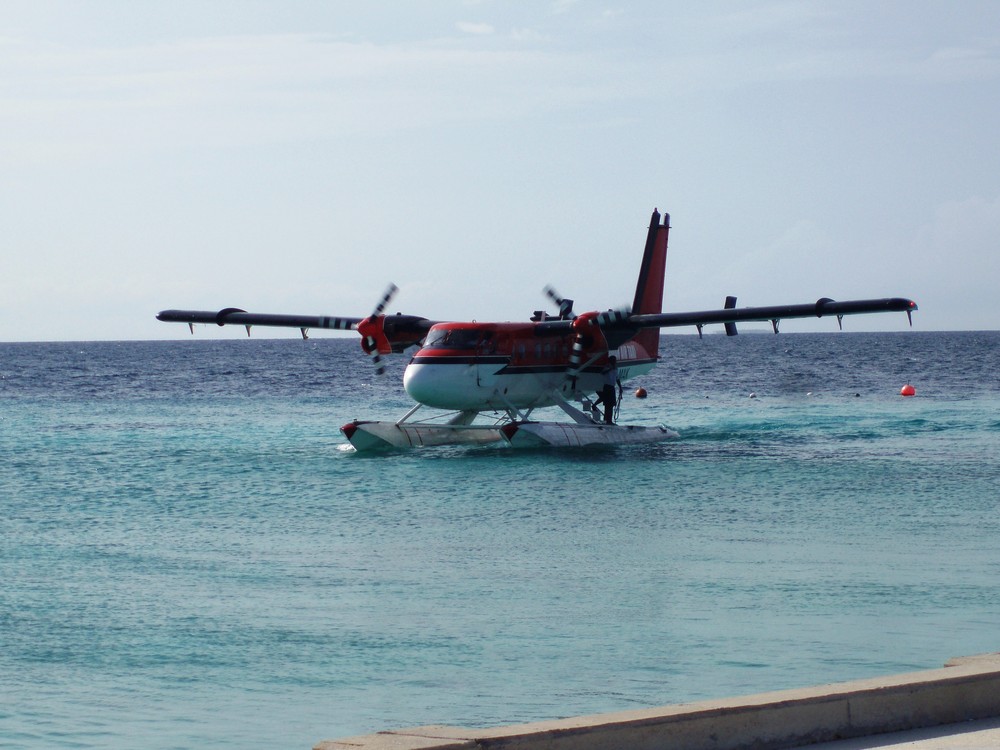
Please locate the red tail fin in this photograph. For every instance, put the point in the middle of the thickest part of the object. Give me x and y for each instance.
(649, 288)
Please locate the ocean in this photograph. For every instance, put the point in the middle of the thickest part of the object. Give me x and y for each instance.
(192, 557)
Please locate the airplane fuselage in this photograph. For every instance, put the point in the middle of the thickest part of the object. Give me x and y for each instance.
(483, 366)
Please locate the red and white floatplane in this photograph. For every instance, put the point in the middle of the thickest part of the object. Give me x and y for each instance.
(476, 383)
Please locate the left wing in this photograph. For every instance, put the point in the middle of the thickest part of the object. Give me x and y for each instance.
(824, 307)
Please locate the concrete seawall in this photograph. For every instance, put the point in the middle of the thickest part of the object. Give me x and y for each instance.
(966, 688)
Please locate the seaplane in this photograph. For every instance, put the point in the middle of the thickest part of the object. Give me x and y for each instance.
(478, 383)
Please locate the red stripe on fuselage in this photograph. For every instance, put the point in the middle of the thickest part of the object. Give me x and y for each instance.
(519, 344)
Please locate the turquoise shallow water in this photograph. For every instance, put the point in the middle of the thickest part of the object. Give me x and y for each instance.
(191, 558)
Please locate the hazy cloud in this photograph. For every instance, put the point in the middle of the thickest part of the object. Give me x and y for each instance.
(259, 88)
(468, 27)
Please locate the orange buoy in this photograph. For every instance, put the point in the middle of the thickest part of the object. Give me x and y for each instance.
(640, 392)
(907, 390)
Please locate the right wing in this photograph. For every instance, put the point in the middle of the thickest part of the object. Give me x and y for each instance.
(236, 316)
(401, 331)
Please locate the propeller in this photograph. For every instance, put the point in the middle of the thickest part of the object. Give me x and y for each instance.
(565, 305)
(373, 338)
(588, 326)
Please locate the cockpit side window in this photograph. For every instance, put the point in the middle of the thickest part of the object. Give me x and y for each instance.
(454, 338)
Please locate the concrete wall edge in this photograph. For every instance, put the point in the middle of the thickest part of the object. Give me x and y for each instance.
(966, 688)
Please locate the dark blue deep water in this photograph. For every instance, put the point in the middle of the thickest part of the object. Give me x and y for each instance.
(190, 558)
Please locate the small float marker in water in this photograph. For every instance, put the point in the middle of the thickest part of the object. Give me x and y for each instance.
(907, 390)
(640, 393)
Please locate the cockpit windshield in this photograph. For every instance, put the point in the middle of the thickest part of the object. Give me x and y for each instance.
(454, 338)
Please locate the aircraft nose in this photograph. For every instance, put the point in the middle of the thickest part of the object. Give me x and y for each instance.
(439, 385)
(421, 383)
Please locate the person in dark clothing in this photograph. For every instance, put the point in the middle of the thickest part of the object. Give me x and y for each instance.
(609, 395)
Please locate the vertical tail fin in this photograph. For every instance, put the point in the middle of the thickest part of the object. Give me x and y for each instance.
(649, 288)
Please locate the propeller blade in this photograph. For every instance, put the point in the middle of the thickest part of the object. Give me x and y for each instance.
(387, 296)
(575, 360)
(613, 316)
(373, 340)
(377, 361)
(565, 305)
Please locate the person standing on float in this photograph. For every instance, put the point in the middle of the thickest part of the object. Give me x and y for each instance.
(609, 391)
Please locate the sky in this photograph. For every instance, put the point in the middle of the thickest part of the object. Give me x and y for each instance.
(298, 156)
